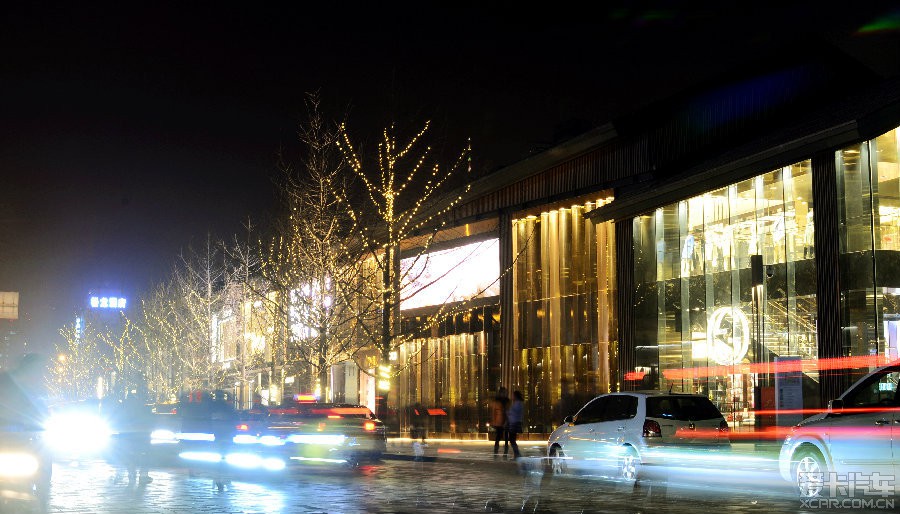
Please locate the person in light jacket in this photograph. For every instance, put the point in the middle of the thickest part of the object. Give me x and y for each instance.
(516, 417)
(499, 406)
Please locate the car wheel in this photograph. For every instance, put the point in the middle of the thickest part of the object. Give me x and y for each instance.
(809, 473)
(557, 463)
(630, 464)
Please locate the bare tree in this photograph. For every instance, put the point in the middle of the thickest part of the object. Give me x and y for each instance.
(122, 356)
(74, 376)
(313, 261)
(242, 292)
(198, 285)
(406, 195)
(157, 320)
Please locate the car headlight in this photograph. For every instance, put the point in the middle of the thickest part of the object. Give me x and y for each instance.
(163, 436)
(18, 465)
(76, 432)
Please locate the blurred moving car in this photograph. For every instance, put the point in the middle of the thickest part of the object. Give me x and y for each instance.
(94, 429)
(315, 432)
(625, 435)
(213, 438)
(25, 462)
(857, 437)
(79, 430)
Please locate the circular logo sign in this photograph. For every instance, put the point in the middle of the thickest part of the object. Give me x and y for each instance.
(728, 338)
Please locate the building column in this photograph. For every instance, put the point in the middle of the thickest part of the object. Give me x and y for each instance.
(625, 301)
(507, 323)
(828, 276)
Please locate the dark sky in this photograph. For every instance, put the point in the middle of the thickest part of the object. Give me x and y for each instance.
(126, 134)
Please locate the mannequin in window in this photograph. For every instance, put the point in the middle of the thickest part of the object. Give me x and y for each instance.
(712, 248)
(809, 244)
(778, 237)
(660, 255)
(725, 242)
(687, 256)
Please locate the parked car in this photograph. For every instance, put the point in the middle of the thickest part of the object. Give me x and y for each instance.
(858, 434)
(625, 435)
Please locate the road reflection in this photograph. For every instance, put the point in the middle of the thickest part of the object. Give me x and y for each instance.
(433, 483)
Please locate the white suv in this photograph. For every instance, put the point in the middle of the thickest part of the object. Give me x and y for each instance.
(853, 444)
(620, 433)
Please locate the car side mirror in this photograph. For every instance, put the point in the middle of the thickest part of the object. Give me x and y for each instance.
(568, 420)
(836, 406)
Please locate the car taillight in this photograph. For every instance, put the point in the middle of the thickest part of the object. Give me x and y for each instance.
(242, 427)
(723, 426)
(369, 426)
(651, 429)
(334, 416)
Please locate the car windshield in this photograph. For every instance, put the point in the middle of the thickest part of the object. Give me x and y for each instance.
(681, 408)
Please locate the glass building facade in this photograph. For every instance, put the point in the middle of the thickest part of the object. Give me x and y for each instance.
(726, 282)
(869, 231)
(700, 317)
(448, 370)
(564, 333)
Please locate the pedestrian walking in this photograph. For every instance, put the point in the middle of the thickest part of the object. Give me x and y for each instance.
(132, 426)
(419, 417)
(222, 422)
(516, 417)
(499, 406)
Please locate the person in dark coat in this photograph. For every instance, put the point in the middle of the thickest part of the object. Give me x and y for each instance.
(516, 421)
(419, 420)
(133, 424)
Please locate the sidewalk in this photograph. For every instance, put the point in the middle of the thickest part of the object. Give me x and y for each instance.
(404, 448)
(756, 455)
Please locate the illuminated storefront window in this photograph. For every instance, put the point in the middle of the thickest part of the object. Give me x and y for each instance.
(563, 290)
(452, 321)
(448, 371)
(702, 324)
(868, 181)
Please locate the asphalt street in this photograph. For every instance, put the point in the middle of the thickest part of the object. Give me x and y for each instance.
(444, 476)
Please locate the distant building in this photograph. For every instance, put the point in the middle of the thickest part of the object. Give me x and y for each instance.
(13, 343)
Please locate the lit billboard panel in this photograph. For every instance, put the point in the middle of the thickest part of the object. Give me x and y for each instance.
(452, 275)
(9, 305)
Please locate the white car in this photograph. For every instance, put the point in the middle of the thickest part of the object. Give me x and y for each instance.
(853, 444)
(619, 434)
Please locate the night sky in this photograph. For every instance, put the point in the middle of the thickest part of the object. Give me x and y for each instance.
(126, 135)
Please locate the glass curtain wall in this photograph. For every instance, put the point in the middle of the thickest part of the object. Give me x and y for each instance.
(446, 370)
(703, 324)
(869, 215)
(563, 300)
